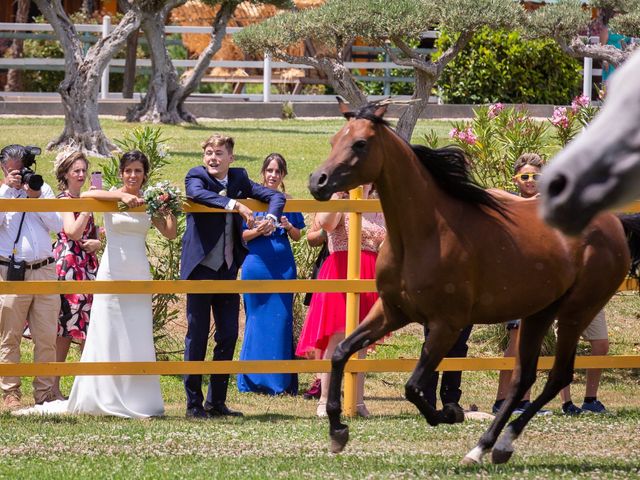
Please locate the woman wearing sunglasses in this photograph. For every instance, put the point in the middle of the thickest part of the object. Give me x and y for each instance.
(527, 173)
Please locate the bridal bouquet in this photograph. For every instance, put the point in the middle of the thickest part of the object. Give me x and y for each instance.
(162, 199)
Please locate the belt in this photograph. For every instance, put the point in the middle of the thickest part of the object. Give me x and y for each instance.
(34, 265)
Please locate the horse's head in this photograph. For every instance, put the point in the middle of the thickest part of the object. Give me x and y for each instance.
(600, 169)
(352, 161)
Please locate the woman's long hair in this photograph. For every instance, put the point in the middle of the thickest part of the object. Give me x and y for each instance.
(282, 165)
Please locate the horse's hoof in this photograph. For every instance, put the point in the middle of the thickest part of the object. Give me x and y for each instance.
(468, 461)
(339, 439)
(452, 413)
(500, 456)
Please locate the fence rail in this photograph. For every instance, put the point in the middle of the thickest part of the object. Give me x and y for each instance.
(117, 65)
(295, 366)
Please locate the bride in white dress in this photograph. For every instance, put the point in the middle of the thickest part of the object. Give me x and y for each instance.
(121, 326)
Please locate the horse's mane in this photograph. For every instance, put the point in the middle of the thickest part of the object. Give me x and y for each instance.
(448, 166)
(368, 113)
(450, 170)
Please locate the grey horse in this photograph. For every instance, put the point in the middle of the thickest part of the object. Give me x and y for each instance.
(600, 169)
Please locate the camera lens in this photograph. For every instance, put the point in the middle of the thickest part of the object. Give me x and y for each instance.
(31, 178)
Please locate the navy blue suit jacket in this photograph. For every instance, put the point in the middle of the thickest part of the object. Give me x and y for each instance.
(204, 229)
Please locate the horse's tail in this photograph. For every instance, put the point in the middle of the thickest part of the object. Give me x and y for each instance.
(631, 225)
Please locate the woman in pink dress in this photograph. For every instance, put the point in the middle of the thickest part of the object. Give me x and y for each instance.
(324, 325)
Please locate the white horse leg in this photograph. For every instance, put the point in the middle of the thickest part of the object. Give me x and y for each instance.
(474, 456)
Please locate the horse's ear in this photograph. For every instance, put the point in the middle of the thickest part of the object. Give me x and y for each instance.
(381, 110)
(344, 108)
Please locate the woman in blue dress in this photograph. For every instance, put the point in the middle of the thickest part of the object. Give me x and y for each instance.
(268, 333)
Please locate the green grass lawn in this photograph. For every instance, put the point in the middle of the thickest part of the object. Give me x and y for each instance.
(304, 143)
(281, 437)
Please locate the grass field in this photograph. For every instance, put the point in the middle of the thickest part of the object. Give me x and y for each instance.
(281, 437)
(304, 143)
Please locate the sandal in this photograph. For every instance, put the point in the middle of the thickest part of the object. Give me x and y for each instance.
(321, 410)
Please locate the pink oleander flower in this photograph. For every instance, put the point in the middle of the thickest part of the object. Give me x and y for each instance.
(560, 118)
(468, 136)
(580, 102)
(495, 109)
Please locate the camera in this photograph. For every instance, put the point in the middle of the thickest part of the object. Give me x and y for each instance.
(30, 177)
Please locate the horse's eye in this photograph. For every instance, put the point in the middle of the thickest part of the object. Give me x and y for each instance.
(359, 145)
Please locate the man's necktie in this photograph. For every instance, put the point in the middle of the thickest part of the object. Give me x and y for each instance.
(228, 234)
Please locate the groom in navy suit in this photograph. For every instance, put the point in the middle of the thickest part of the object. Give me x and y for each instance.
(212, 249)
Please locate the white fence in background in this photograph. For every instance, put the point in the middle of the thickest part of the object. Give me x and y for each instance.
(267, 65)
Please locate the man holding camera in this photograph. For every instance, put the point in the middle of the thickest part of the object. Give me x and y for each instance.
(26, 254)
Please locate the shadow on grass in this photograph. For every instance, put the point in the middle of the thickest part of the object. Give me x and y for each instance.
(261, 129)
(567, 467)
(273, 417)
(57, 418)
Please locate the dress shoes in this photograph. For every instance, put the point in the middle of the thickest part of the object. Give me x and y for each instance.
(12, 401)
(221, 410)
(196, 412)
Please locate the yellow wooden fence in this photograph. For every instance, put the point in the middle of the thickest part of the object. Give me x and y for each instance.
(352, 286)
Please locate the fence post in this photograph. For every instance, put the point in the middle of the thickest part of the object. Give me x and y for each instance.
(353, 299)
(587, 77)
(104, 84)
(266, 79)
(387, 74)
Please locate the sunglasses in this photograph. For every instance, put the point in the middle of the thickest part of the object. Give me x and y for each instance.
(525, 177)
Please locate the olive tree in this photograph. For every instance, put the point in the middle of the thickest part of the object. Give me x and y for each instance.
(567, 21)
(167, 92)
(83, 70)
(391, 25)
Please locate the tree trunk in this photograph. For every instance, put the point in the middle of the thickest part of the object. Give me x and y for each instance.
(190, 83)
(129, 80)
(14, 76)
(167, 94)
(342, 81)
(164, 77)
(82, 130)
(420, 99)
(79, 89)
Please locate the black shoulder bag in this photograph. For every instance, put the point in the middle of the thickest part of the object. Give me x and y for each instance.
(17, 269)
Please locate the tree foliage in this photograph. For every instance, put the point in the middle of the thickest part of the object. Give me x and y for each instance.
(561, 21)
(567, 21)
(334, 26)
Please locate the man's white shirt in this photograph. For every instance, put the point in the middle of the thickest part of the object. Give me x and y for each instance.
(34, 242)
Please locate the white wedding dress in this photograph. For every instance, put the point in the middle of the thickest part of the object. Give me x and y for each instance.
(120, 330)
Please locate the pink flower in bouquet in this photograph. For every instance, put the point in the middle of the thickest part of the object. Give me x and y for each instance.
(164, 197)
(560, 118)
(495, 109)
(453, 133)
(580, 102)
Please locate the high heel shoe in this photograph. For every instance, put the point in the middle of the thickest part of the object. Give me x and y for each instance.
(362, 411)
(313, 391)
(321, 409)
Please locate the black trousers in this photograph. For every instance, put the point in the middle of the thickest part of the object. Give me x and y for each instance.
(450, 385)
(226, 308)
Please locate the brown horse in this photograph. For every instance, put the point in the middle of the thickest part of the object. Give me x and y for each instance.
(457, 254)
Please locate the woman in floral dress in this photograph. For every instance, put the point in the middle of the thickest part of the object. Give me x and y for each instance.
(76, 258)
